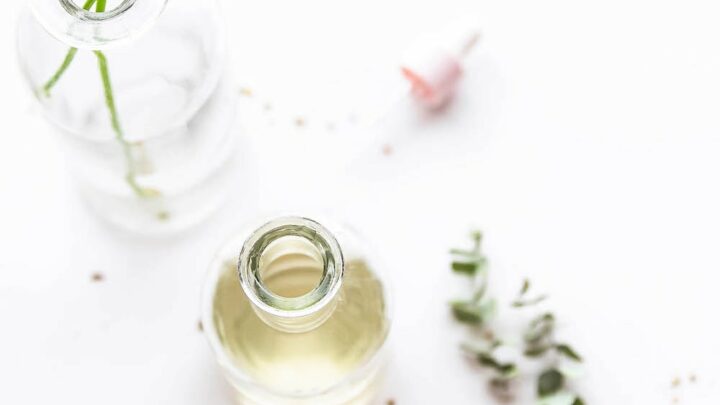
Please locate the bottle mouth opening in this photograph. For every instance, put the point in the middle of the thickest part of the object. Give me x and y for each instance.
(82, 14)
(291, 267)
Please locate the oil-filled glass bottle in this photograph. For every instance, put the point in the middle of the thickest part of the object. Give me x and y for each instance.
(135, 88)
(297, 313)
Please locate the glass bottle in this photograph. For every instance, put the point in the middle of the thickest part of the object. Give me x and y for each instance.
(135, 87)
(297, 314)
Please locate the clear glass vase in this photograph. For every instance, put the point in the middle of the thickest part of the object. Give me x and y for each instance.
(135, 87)
(297, 313)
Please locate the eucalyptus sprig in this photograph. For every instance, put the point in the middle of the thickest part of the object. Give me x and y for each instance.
(127, 147)
(538, 338)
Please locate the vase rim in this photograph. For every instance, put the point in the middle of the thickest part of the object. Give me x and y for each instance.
(85, 29)
(87, 15)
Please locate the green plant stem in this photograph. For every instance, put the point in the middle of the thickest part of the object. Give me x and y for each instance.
(61, 70)
(131, 175)
(66, 62)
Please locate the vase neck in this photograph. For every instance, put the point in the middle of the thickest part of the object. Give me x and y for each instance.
(291, 271)
(84, 26)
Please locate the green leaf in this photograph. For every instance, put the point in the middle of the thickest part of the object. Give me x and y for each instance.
(469, 262)
(525, 287)
(526, 303)
(505, 369)
(550, 382)
(471, 312)
(546, 317)
(578, 401)
(568, 351)
(536, 351)
(468, 268)
(467, 312)
(540, 328)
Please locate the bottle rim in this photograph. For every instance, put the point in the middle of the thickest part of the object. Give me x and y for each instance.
(79, 28)
(270, 303)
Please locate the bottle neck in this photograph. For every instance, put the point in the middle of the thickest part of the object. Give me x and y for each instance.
(291, 270)
(78, 23)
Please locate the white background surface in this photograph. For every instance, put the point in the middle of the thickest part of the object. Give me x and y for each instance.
(584, 143)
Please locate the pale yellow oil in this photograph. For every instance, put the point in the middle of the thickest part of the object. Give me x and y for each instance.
(310, 361)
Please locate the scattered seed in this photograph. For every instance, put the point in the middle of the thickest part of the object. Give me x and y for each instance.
(244, 91)
(390, 402)
(387, 150)
(300, 122)
(163, 215)
(692, 378)
(676, 382)
(97, 277)
(200, 326)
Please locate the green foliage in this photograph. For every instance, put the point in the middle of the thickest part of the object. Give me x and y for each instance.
(472, 313)
(537, 339)
(568, 352)
(550, 382)
(504, 369)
